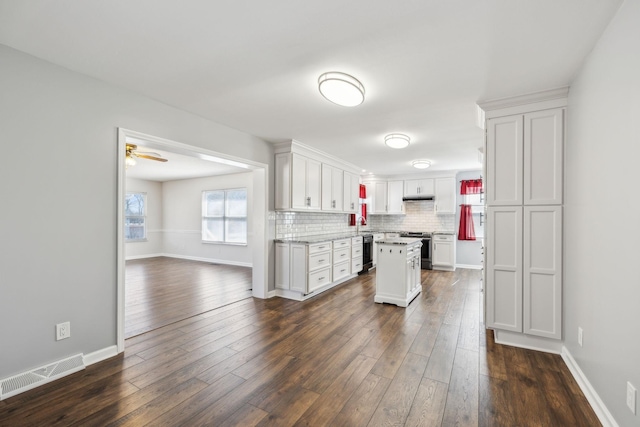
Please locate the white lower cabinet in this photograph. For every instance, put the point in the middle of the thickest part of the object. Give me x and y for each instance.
(444, 252)
(524, 269)
(398, 273)
(374, 247)
(303, 268)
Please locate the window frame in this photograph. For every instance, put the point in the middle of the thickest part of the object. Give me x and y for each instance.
(225, 218)
(143, 217)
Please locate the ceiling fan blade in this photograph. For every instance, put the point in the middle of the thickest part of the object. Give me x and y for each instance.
(144, 156)
(148, 153)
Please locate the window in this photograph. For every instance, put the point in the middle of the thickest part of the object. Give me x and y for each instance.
(135, 217)
(224, 216)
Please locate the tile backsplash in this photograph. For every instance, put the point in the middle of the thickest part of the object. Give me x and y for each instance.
(420, 216)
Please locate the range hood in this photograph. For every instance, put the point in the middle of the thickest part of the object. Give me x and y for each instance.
(417, 198)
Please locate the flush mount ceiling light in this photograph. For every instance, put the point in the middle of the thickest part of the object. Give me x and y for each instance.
(396, 140)
(341, 89)
(421, 164)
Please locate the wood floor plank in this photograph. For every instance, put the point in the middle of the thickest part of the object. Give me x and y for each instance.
(336, 359)
(442, 356)
(398, 399)
(495, 408)
(461, 408)
(331, 402)
(247, 416)
(428, 406)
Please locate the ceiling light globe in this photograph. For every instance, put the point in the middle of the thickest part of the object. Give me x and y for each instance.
(421, 164)
(341, 89)
(396, 140)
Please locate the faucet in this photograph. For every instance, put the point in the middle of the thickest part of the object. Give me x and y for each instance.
(360, 219)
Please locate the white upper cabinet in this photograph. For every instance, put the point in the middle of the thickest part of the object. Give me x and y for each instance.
(419, 187)
(504, 183)
(543, 148)
(332, 188)
(445, 196)
(379, 200)
(351, 192)
(306, 183)
(395, 190)
(524, 159)
(385, 197)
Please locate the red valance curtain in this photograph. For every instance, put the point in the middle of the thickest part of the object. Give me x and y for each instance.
(471, 186)
(467, 230)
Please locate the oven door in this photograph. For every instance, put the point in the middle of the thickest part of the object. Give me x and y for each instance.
(426, 254)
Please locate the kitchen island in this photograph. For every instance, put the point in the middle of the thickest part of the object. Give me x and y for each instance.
(398, 270)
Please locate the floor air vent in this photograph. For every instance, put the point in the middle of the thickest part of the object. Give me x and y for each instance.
(37, 377)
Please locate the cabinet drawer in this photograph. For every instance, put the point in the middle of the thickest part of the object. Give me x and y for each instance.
(356, 240)
(343, 243)
(356, 251)
(319, 260)
(340, 255)
(356, 265)
(319, 247)
(443, 237)
(341, 270)
(319, 278)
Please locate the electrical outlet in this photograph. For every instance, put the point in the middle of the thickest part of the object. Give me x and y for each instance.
(631, 397)
(63, 330)
(580, 336)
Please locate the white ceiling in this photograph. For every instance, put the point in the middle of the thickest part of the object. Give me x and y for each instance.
(254, 65)
(176, 167)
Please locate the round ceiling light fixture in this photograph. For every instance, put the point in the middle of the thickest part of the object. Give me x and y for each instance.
(396, 140)
(341, 88)
(421, 164)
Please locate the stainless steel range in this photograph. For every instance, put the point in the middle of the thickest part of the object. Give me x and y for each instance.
(426, 247)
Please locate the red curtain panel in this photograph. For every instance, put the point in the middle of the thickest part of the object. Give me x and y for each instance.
(466, 230)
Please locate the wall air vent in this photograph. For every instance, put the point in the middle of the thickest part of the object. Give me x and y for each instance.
(37, 377)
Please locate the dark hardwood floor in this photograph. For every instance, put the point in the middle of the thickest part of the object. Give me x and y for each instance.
(160, 291)
(337, 359)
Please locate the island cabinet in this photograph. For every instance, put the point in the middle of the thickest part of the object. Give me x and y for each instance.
(523, 245)
(398, 271)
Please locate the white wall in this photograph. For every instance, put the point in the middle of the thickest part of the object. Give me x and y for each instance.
(153, 245)
(58, 222)
(182, 213)
(602, 226)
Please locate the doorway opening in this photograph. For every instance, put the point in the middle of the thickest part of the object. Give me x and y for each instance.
(167, 243)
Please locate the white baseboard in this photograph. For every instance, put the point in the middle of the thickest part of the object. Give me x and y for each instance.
(530, 342)
(469, 266)
(596, 403)
(272, 294)
(142, 256)
(100, 355)
(211, 260)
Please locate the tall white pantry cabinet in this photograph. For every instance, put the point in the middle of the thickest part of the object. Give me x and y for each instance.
(523, 185)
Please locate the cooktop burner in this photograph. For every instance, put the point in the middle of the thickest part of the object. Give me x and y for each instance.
(415, 234)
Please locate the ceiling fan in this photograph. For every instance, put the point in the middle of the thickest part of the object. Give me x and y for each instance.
(132, 154)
